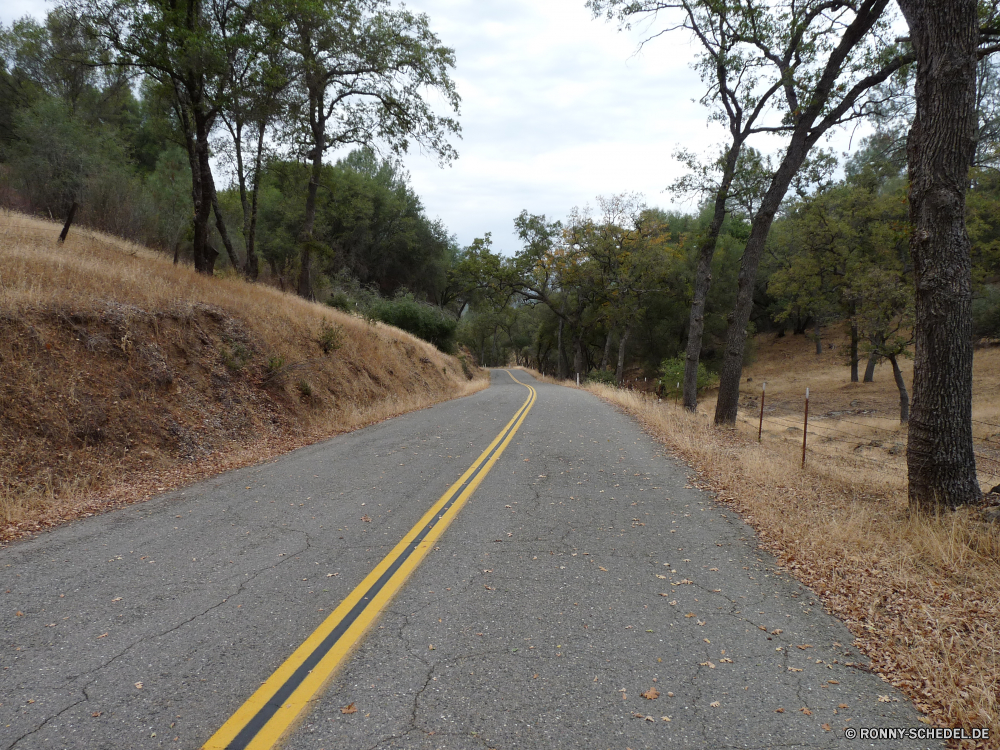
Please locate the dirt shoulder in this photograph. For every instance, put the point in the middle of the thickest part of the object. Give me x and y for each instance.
(918, 593)
(122, 376)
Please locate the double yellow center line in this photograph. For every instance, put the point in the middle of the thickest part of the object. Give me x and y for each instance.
(277, 706)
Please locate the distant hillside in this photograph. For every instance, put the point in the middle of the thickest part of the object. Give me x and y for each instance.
(122, 374)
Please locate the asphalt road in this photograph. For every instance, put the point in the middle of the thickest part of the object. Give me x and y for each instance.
(583, 572)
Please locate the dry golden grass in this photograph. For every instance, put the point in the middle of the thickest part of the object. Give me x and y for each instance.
(122, 374)
(920, 594)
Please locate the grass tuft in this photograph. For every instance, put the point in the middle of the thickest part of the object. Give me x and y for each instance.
(123, 375)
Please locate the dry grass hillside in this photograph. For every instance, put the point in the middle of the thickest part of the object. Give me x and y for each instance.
(860, 420)
(921, 595)
(122, 374)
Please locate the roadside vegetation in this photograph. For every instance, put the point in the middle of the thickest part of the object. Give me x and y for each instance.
(918, 591)
(124, 362)
(124, 375)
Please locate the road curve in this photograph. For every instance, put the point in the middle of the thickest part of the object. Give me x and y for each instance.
(583, 572)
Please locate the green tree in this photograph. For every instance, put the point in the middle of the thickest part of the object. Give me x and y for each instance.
(261, 74)
(363, 71)
(473, 272)
(185, 47)
(369, 225)
(824, 76)
(824, 243)
(884, 317)
(624, 258)
(730, 71)
(168, 186)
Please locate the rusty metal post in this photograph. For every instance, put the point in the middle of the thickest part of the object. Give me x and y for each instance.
(805, 430)
(760, 427)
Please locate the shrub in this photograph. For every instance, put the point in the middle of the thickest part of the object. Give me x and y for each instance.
(672, 371)
(986, 313)
(237, 357)
(341, 301)
(275, 368)
(464, 361)
(304, 388)
(331, 336)
(601, 376)
(422, 320)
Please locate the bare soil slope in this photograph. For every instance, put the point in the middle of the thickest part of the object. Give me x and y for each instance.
(121, 374)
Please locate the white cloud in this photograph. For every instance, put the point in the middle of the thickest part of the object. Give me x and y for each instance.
(558, 107)
(14, 9)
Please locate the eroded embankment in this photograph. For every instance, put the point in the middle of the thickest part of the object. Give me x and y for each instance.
(121, 374)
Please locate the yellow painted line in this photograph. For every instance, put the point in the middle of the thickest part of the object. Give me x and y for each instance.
(280, 703)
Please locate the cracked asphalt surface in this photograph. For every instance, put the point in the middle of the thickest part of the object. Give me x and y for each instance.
(583, 572)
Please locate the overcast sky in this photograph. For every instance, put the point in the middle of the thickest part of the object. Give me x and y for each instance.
(557, 108)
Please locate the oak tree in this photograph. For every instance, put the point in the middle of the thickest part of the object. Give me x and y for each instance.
(948, 41)
(364, 72)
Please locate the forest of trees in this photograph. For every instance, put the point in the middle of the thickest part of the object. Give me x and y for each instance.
(129, 110)
(208, 129)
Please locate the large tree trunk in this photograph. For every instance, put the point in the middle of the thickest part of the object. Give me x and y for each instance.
(579, 358)
(607, 349)
(236, 130)
(541, 353)
(620, 371)
(253, 262)
(854, 348)
(204, 255)
(561, 353)
(732, 365)
(818, 116)
(305, 288)
(870, 367)
(703, 279)
(941, 463)
(317, 103)
(220, 224)
(904, 397)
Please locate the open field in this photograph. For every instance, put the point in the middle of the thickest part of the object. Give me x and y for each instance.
(122, 375)
(859, 421)
(920, 594)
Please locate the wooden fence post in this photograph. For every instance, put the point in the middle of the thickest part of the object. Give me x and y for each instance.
(805, 430)
(760, 427)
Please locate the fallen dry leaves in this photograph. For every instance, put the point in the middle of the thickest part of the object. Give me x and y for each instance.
(350, 708)
(919, 594)
(651, 694)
